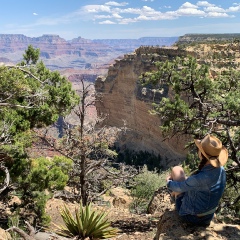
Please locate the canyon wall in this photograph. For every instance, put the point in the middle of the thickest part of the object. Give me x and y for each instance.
(125, 103)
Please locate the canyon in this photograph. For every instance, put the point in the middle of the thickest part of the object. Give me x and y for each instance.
(76, 58)
(125, 103)
(117, 65)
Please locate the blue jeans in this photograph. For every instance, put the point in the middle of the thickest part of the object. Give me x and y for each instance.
(193, 219)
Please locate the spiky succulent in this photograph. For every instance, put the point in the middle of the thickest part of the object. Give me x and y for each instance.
(86, 223)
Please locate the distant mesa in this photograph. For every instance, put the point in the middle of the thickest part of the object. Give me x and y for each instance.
(58, 53)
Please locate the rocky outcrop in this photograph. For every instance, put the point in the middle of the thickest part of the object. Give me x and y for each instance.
(171, 227)
(125, 103)
(207, 38)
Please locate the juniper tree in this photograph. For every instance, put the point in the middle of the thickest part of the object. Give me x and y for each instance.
(31, 96)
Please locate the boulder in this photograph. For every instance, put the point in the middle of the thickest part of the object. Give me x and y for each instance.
(160, 202)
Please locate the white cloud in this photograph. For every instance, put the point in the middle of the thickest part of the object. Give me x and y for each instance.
(107, 22)
(128, 20)
(96, 8)
(113, 12)
(116, 4)
(234, 9)
(102, 16)
(131, 10)
(190, 12)
(218, 14)
(116, 15)
(204, 4)
(214, 9)
(202, 9)
(188, 5)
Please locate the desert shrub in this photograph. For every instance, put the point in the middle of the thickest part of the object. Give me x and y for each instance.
(142, 188)
(86, 223)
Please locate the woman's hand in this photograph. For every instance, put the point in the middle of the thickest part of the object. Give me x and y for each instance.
(168, 178)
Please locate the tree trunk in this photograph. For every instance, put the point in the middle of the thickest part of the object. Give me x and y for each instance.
(82, 179)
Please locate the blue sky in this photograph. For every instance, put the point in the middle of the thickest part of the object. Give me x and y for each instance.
(103, 19)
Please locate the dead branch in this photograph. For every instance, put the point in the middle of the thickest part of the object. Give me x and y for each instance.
(7, 178)
(24, 235)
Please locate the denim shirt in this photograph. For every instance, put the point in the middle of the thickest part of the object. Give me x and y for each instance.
(202, 191)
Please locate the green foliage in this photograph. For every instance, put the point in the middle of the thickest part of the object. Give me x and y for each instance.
(48, 173)
(38, 204)
(191, 163)
(142, 188)
(86, 223)
(37, 176)
(31, 55)
(32, 96)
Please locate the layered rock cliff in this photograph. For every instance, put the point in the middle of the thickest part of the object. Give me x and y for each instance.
(125, 103)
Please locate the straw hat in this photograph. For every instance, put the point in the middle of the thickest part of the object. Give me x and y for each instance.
(212, 148)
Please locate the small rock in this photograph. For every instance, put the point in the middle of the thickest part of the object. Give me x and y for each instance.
(119, 202)
(218, 227)
(15, 201)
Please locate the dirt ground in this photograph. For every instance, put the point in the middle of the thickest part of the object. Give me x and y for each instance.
(131, 226)
(144, 226)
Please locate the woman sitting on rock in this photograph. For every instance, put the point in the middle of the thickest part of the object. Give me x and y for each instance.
(197, 196)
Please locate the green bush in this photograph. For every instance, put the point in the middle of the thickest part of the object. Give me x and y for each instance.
(48, 173)
(143, 187)
(86, 223)
(42, 173)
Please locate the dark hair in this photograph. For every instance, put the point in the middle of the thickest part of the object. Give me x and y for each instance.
(203, 162)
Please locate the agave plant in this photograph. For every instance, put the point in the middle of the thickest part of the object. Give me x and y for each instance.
(86, 223)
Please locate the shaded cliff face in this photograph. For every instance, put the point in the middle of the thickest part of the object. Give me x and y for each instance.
(125, 103)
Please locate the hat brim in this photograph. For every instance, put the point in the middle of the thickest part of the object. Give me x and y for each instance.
(215, 161)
